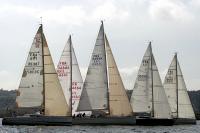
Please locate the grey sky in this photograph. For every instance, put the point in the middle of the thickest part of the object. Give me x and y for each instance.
(171, 25)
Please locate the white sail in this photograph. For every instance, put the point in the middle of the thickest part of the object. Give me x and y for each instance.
(95, 89)
(63, 70)
(64, 74)
(119, 104)
(142, 99)
(160, 102)
(174, 80)
(31, 85)
(170, 87)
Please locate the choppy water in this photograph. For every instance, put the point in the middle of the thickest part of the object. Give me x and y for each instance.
(101, 129)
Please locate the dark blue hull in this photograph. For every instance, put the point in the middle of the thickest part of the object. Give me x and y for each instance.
(38, 120)
(184, 121)
(154, 122)
(104, 121)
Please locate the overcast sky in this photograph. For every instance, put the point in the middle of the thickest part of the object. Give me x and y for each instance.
(171, 25)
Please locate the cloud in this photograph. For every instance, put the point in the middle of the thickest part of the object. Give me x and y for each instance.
(70, 14)
(169, 10)
(109, 11)
(128, 70)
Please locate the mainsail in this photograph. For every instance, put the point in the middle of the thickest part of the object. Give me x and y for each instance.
(176, 91)
(65, 75)
(148, 94)
(95, 88)
(118, 100)
(40, 84)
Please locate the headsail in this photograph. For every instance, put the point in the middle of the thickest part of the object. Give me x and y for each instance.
(148, 94)
(95, 88)
(170, 87)
(64, 74)
(63, 70)
(140, 100)
(118, 100)
(31, 85)
(176, 91)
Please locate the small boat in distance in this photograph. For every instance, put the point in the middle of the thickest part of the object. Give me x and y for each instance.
(177, 95)
(103, 90)
(40, 87)
(148, 99)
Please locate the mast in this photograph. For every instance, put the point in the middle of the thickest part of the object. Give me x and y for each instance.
(106, 68)
(70, 41)
(176, 83)
(151, 55)
(42, 40)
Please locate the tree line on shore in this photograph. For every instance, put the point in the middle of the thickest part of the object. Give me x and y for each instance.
(8, 105)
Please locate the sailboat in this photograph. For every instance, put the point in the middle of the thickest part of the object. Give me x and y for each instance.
(148, 98)
(40, 87)
(70, 77)
(103, 90)
(177, 95)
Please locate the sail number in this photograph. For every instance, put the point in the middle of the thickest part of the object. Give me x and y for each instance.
(169, 80)
(33, 59)
(142, 77)
(63, 69)
(97, 59)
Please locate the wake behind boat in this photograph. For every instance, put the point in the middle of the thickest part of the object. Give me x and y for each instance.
(40, 87)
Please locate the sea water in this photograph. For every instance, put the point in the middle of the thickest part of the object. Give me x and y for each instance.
(102, 129)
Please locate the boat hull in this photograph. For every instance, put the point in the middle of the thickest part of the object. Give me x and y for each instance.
(184, 121)
(104, 121)
(38, 120)
(154, 122)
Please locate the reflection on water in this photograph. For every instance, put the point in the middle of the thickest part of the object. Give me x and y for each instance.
(101, 129)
